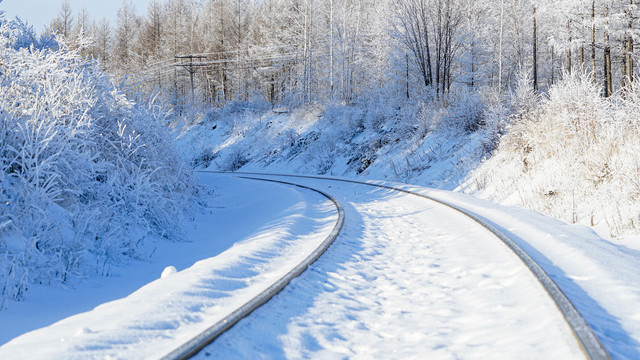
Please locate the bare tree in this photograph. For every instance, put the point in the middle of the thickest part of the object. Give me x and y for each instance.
(535, 49)
(413, 30)
(151, 36)
(63, 23)
(446, 19)
(126, 34)
(102, 34)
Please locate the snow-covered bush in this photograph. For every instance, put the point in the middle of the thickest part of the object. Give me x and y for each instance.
(572, 155)
(85, 173)
(22, 35)
(378, 135)
(464, 112)
(457, 113)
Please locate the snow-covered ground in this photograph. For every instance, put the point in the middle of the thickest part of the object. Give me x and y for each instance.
(406, 278)
(253, 224)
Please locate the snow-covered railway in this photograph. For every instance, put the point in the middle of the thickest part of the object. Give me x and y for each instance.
(588, 342)
(195, 345)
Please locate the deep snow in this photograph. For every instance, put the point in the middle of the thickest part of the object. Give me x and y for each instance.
(401, 263)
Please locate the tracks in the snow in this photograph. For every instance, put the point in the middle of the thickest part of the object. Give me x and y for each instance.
(583, 333)
(205, 338)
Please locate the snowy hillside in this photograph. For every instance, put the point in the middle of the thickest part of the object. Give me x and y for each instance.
(573, 155)
(570, 154)
(431, 143)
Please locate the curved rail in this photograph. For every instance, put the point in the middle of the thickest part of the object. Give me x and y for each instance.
(193, 346)
(588, 341)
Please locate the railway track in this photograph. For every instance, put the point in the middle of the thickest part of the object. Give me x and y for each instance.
(205, 338)
(589, 343)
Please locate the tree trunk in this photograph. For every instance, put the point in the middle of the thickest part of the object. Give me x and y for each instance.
(624, 64)
(501, 36)
(535, 51)
(331, 50)
(407, 75)
(569, 48)
(608, 88)
(629, 48)
(593, 40)
(553, 65)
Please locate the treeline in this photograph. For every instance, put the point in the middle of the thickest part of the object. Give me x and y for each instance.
(304, 51)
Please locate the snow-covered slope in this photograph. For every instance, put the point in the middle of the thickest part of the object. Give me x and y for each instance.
(422, 144)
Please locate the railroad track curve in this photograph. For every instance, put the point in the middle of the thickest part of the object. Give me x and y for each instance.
(590, 345)
(196, 344)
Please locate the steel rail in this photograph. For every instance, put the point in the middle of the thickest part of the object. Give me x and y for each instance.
(584, 335)
(196, 344)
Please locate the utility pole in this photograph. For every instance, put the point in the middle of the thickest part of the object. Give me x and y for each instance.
(191, 67)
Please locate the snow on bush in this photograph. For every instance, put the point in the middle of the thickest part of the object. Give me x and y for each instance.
(572, 155)
(85, 174)
(379, 135)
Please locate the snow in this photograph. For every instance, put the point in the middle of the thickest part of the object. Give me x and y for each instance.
(247, 222)
(86, 174)
(374, 140)
(91, 189)
(598, 276)
(406, 277)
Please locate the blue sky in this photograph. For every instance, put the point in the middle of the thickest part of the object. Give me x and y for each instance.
(40, 12)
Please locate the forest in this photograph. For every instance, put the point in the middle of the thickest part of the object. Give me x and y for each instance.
(307, 51)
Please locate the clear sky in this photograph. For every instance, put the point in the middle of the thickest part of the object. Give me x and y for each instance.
(40, 12)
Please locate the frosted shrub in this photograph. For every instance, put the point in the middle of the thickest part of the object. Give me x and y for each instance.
(455, 114)
(465, 112)
(85, 173)
(572, 156)
(429, 117)
(497, 117)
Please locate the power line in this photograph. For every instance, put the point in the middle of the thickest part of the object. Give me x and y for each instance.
(191, 66)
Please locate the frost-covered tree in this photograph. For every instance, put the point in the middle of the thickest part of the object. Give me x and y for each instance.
(150, 39)
(430, 30)
(307, 51)
(126, 38)
(102, 34)
(63, 23)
